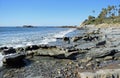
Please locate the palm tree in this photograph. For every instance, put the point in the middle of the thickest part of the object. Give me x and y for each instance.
(113, 8)
(119, 12)
(109, 10)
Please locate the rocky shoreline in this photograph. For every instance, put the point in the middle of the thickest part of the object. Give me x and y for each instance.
(82, 56)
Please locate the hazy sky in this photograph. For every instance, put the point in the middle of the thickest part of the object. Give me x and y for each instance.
(49, 12)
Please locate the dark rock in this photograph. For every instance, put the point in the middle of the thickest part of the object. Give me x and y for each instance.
(73, 55)
(60, 56)
(28, 26)
(14, 59)
(2, 48)
(9, 51)
(27, 48)
(32, 47)
(101, 43)
(47, 46)
(66, 39)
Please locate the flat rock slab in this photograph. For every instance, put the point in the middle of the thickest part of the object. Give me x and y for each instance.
(86, 46)
(101, 52)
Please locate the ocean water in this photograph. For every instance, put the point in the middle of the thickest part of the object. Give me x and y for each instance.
(20, 37)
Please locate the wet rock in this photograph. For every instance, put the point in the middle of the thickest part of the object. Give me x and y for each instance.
(74, 39)
(8, 51)
(14, 59)
(2, 48)
(60, 56)
(101, 43)
(66, 39)
(32, 47)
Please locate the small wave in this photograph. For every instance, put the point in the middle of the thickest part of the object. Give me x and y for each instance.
(46, 41)
(63, 33)
(58, 35)
(21, 40)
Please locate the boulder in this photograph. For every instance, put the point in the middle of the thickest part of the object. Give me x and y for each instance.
(32, 47)
(66, 39)
(14, 59)
(101, 43)
(8, 51)
(2, 48)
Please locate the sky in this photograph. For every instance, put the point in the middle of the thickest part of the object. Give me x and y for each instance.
(49, 12)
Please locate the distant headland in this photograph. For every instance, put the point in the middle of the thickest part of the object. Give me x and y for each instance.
(27, 26)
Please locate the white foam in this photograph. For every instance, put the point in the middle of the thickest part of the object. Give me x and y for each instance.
(58, 35)
(1, 60)
(35, 39)
(63, 33)
(47, 40)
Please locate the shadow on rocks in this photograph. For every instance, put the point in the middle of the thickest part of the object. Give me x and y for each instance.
(19, 64)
